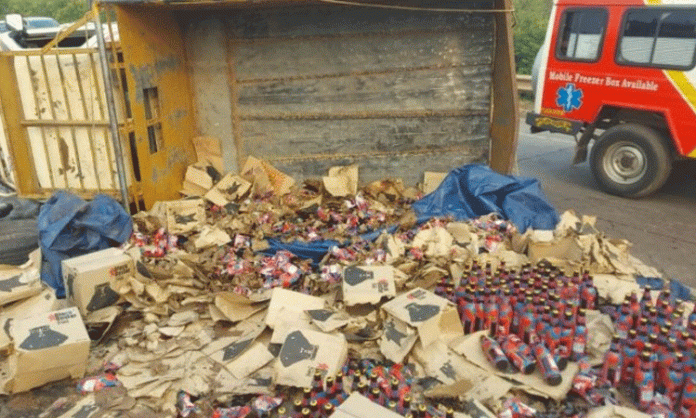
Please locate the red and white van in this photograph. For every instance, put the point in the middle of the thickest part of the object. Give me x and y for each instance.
(621, 72)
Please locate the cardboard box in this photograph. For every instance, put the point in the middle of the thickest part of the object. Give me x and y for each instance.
(291, 301)
(228, 190)
(88, 278)
(434, 317)
(184, 215)
(367, 284)
(197, 181)
(304, 352)
(48, 347)
(21, 282)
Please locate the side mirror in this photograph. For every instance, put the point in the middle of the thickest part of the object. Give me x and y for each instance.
(15, 22)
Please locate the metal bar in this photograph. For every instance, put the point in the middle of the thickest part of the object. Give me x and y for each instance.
(385, 71)
(464, 150)
(111, 105)
(67, 32)
(274, 39)
(105, 130)
(63, 123)
(53, 116)
(90, 136)
(68, 109)
(66, 51)
(369, 115)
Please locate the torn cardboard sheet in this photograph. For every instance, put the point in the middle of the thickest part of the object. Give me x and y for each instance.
(397, 339)
(432, 180)
(442, 363)
(615, 288)
(211, 237)
(288, 321)
(435, 242)
(342, 181)
(600, 330)
(209, 151)
(304, 352)
(228, 190)
(615, 411)
(99, 322)
(84, 408)
(293, 301)
(89, 279)
(48, 347)
(367, 284)
(470, 347)
(228, 349)
(257, 383)
(567, 248)
(434, 317)
(184, 216)
(236, 307)
(250, 361)
(197, 181)
(266, 178)
(21, 282)
(358, 406)
(327, 320)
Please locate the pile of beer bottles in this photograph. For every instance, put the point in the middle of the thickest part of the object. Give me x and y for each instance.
(653, 352)
(535, 316)
(388, 386)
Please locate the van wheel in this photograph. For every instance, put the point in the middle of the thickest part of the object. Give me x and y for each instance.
(631, 160)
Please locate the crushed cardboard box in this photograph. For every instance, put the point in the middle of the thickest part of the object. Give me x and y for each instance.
(305, 352)
(48, 347)
(89, 279)
(368, 284)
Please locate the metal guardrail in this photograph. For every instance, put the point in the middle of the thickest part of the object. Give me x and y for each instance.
(524, 83)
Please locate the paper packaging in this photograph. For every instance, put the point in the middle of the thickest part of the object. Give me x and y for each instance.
(197, 181)
(21, 282)
(358, 406)
(304, 352)
(434, 317)
(48, 347)
(266, 178)
(88, 278)
(367, 284)
(184, 215)
(293, 301)
(228, 190)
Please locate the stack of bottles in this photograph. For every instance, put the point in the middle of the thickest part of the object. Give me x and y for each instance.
(653, 352)
(535, 316)
(389, 387)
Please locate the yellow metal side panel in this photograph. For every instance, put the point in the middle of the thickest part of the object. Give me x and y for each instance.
(505, 107)
(154, 55)
(25, 175)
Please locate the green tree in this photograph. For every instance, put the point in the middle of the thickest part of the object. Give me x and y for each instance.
(532, 17)
(63, 11)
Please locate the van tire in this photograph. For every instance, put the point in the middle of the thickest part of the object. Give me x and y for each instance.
(631, 160)
(18, 238)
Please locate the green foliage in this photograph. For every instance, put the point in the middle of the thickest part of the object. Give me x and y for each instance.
(63, 11)
(532, 17)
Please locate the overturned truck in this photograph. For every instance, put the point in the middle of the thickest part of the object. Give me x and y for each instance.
(399, 89)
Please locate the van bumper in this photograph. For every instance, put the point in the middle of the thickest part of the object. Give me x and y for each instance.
(541, 123)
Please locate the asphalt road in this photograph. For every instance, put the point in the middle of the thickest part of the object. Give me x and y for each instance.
(662, 227)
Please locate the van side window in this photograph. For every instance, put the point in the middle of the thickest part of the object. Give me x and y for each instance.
(660, 38)
(581, 36)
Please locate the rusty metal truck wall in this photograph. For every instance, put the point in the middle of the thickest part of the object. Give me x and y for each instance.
(398, 92)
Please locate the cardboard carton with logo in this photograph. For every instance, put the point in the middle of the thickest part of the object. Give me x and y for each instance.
(368, 284)
(88, 278)
(48, 347)
(433, 316)
(306, 351)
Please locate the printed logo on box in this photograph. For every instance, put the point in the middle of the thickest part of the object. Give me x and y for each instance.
(119, 270)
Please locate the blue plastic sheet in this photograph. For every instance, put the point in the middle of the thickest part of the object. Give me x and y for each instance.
(476, 190)
(679, 291)
(70, 227)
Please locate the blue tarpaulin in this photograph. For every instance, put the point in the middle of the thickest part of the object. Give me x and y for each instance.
(476, 190)
(70, 227)
(467, 192)
(679, 291)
